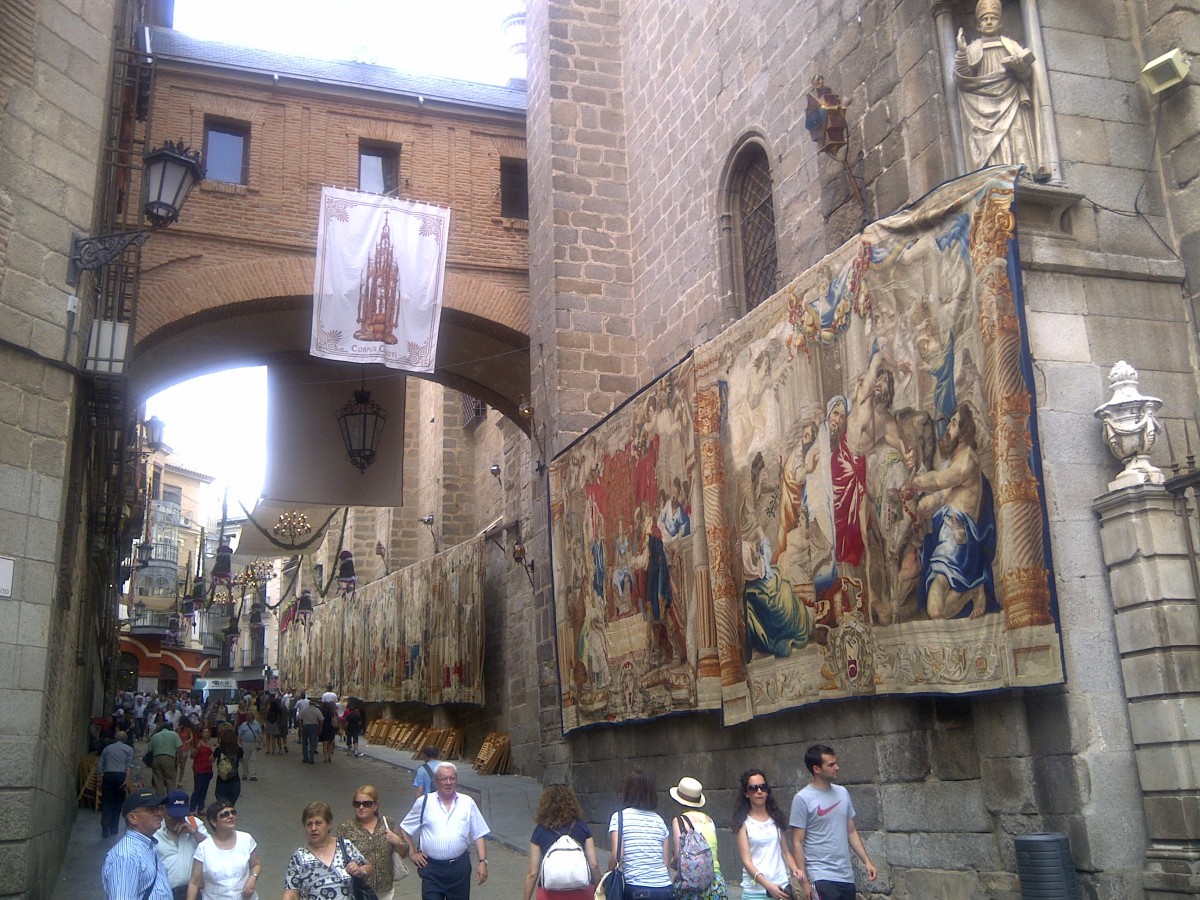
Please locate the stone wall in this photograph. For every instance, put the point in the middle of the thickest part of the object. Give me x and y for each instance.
(53, 77)
(942, 785)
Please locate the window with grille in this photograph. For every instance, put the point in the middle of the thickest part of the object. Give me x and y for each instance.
(378, 168)
(473, 410)
(756, 253)
(226, 151)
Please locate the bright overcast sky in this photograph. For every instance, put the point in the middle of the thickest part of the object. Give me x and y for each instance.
(453, 38)
(217, 424)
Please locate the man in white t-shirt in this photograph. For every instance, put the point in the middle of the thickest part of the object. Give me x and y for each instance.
(330, 696)
(824, 833)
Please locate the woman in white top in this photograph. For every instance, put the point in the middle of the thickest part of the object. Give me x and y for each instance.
(644, 847)
(760, 827)
(226, 866)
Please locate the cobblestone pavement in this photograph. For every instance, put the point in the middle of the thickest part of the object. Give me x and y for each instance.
(269, 809)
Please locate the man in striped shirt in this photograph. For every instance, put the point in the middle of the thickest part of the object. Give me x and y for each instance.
(446, 822)
(132, 868)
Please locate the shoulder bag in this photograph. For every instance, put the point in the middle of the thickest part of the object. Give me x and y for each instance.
(399, 869)
(612, 885)
(359, 889)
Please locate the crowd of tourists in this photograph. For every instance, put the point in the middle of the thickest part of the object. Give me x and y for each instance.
(172, 850)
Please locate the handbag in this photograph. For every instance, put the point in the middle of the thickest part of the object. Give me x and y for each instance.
(399, 868)
(612, 885)
(148, 758)
(359, 889)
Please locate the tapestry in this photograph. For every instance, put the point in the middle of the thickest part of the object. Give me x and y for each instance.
(840, 495)
(872, 489)
(634, 623)
(414, 635)
(377, 285)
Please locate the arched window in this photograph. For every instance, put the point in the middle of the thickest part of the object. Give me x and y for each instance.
(749, 226)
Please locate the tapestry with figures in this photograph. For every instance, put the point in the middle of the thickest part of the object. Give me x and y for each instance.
(872, 482)
(840, 495)
(633, 616)
(414, 635)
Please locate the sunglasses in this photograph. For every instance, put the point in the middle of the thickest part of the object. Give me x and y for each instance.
(227, 814)
(359, 804)
(766, 789)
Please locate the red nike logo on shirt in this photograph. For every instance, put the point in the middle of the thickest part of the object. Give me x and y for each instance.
(826, 810)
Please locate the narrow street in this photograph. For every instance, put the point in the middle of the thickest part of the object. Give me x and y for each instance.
(269, 809)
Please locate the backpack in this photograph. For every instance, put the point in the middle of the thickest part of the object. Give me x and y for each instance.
(225, 768)
(565, 866)
(696, 871)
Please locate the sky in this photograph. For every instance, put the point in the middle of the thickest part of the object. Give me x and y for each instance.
(452, 38)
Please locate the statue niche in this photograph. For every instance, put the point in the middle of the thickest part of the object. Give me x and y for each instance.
(996, 94)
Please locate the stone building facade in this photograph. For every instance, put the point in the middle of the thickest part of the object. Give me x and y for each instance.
(639, 116)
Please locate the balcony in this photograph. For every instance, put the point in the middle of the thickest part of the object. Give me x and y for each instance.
(212, 643)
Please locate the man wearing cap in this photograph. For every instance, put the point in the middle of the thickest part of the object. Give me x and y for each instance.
(177, 840)
(132, 869)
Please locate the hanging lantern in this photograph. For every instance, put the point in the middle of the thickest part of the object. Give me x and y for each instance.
(346, 577)
(825, 118)
(232, 633)
(361, 423)
(171, 172)
(256, 619)
(189, 612)
(304, 607)
(222, 571)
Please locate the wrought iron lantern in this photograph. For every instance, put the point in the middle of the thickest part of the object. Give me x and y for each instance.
(232, 633)
(189, 612)
(222, 571)
(346, 577)
(139, 612)
(361, 422)
(304, 607)
(825, 118)
(145, 551)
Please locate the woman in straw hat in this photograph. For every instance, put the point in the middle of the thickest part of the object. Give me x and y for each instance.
(689, 793)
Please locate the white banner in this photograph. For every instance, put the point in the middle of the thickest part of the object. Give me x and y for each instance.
(377, 288)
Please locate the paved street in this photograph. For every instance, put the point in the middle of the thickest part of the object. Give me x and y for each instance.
(269, 809)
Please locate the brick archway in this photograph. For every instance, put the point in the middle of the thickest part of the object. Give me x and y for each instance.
(194, 319)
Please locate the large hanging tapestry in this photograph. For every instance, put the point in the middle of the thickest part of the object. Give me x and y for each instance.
(414, 635)
(634, 622)
(871, 491)
(377, 285)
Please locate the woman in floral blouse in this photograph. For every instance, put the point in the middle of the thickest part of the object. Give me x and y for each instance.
(371, 834)
(321, 869)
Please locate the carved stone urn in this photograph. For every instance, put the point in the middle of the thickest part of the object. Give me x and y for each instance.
(1130, 428)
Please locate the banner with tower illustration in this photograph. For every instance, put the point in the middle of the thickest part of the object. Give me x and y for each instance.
(377, 285)
(869, 509)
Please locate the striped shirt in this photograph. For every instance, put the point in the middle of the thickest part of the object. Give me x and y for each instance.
(642, 836)
(131, 867)
(443, 834)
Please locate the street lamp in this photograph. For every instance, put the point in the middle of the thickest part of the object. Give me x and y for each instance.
(171, 172)
(304, 607)
(361, 422)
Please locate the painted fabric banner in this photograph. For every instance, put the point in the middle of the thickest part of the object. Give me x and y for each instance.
(416, 634)
(872, 479)
(634, 620)
(862, 511)
(377, 286)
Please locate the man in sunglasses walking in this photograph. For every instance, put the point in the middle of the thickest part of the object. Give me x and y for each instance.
(824, 833)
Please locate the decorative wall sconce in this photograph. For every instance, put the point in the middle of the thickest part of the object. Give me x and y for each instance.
(361, 422)
(381, 552)
(427, 521)
(825, 119)
(171, 172)
(525, 410)
(520, 557)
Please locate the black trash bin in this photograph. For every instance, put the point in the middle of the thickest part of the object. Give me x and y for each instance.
(1045, 867)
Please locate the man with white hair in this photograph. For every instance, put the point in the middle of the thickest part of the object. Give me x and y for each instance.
(443, 825)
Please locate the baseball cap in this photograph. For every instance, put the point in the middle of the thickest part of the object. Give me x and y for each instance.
(178, 804)
(144, 797)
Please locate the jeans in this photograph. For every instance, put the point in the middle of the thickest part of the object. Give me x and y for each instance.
(200, 793)
(834, 890)
(308, 742)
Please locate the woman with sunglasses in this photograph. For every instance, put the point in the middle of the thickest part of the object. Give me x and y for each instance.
(761, 830)
(370, 832)
(323, 868)
(226, 866)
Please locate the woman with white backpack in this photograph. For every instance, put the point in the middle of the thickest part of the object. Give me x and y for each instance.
(562, 853)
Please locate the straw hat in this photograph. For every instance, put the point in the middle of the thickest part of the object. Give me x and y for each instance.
(689, 792)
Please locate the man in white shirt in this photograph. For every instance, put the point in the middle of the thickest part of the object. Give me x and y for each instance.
(178, 838)
(330, 696)
(444, 824)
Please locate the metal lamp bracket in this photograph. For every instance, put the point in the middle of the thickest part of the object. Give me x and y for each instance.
(89, 254)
